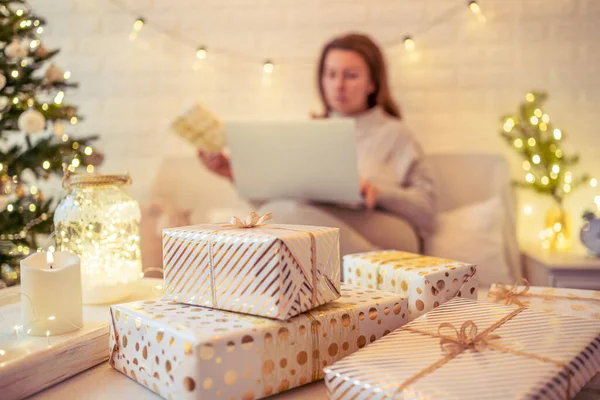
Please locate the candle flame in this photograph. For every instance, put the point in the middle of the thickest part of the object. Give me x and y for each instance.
(49, 258)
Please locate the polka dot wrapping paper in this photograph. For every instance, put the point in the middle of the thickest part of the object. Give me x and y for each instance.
(466, 349)
(275, 271)
(188, 352)
(427, 281)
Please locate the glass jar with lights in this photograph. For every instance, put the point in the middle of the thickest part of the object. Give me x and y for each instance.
(99, 221)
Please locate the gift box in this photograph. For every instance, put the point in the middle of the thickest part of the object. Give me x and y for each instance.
(575, 302)
(428, 282)
(275, 271)
(473, 350)
(187, 352)
(201, 128)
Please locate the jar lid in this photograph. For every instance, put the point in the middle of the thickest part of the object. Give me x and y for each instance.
(72, 180)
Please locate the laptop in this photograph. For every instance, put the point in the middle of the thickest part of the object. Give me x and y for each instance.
(312, 160)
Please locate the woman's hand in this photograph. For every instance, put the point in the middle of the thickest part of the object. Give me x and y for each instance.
(369, 192)
(217, 163)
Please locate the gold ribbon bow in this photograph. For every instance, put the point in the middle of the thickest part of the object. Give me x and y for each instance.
(510, 294)
(251, 221)
(465, 339)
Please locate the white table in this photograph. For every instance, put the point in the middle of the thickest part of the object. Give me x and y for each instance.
(572, 269)
(104, 383)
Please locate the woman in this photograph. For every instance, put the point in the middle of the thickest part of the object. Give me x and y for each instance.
(395, 182)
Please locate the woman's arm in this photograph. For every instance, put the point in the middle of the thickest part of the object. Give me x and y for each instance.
(414, 200)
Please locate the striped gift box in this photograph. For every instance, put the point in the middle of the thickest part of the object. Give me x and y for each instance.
(275, 271)
(473, 350)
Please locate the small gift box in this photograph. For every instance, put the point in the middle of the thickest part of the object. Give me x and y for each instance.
(201, 128)
(473, 350)
(186, 352)
(575, 302)
(427, 281)
(275, 271)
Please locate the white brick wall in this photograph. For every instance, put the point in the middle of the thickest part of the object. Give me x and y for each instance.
(464, 75)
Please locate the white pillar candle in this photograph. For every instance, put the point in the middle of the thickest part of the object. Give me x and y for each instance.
(51, 293)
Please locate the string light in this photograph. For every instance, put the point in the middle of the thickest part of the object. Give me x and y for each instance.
(137, 27)
(268, 67)
(528, 210)
(543, 127)
(75, 145)
(557, 227)
(40, 30)
(73, 120)
(409, 43)
(518, 143)
(545, 180)
(32, 207)
(597, 200)
(46, 164)
(555, 168)
(509, 124)
(201, 53)
(537, 112)
(558, 153)
(557, 134)
(14, 73)
(530, 97)
(530, 178)
(531, 142)
(536, 159)
(10, 208)
(89, 168)
(36, 22)
(65, 137)
(546, 118)
(593, 182)
(45, 107)
(19, 12)
(34, 43)
(59, 97)
(67, 75)
(15, 100)
(33, 190)
(75, 163)
(567, 188)
(568, 177)
(88, 150)
(534, 120)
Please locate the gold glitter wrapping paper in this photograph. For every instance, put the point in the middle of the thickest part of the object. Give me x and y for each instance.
(275, 271)
(201, 128)
(535, 357)
(187, 352)
(427, 281)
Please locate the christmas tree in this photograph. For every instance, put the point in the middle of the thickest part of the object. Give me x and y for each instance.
(547, 168)
(34, 139)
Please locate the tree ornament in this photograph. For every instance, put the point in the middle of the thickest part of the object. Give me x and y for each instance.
(31, 121)
(54, 74)
(15, 50)
(2, 81)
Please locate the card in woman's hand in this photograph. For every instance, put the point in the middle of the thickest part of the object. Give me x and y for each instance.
(201, 128)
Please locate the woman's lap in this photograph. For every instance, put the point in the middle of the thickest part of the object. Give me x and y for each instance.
(360, 230)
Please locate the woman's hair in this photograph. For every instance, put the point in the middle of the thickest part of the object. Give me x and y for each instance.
(372, 55)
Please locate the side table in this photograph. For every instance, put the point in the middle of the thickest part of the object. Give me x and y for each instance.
(571, 269)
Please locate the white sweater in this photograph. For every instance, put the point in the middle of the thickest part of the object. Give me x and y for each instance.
(391, 158)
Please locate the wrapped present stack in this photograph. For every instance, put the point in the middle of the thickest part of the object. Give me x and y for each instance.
(426, 281)
(248, 310)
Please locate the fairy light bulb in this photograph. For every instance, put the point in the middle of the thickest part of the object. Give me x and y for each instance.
(530, 97)
(556, 168)
(58, 99)
(530, 178)
(537, 113)
(73, 120)
(15, 100)
(593, 182)
(46, 165)
(531, 142)
(543, 127)
(557, 134)
(14, 73)
(526, 165)
(528, 209)
(567, 188)
(409, 43)
(518, 143)
(201, 53)
(89, 168)
(534, 120)
(137, 27)
(268, 67)
(568, 177)
(75, 163)
(40, 30)
(545, 180)
(67, 75)
(536, 159)
(34, 43)
(474, 6)
(19, 13)
(32, 207)
(558, 153)
(509, 124)
(546, 118)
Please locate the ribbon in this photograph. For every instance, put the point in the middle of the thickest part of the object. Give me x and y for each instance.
(510, 294)
(468, 339)
(253, 220)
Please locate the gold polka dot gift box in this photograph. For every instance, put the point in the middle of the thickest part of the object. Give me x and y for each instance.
(187, 352)
(427, 281)
(473, 350)
(275, 271)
